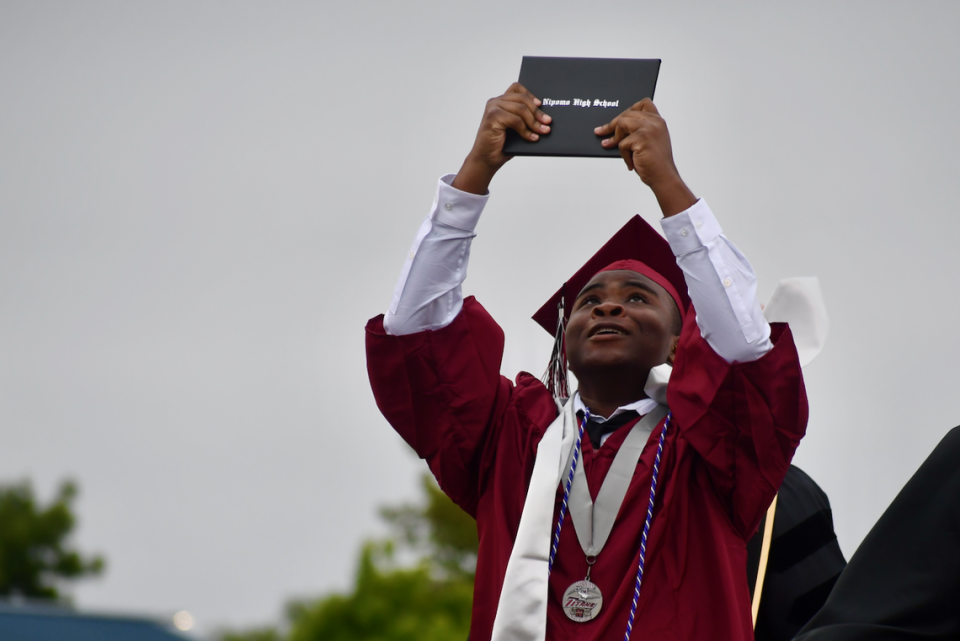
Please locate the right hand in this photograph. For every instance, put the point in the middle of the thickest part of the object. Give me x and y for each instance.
(516, 109)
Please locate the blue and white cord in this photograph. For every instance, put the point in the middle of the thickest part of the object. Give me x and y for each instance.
(646, 530)
(646, 524)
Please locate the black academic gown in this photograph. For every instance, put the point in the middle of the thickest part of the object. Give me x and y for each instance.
(805, 559)
(903, 583)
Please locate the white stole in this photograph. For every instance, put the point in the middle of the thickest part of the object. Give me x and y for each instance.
(522, 611)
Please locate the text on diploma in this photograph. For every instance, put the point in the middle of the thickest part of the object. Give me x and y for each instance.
(580, 102)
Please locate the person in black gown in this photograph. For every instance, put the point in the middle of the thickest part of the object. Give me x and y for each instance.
(804, 560)
(903, 582)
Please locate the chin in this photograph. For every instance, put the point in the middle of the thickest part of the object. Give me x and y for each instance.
(604, 367)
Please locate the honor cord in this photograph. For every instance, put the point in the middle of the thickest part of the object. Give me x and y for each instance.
(646, 529)
(646, 523)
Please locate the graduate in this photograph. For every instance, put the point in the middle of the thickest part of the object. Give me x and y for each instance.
(625, 506)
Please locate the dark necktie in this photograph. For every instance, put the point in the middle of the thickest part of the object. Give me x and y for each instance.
(596, 430)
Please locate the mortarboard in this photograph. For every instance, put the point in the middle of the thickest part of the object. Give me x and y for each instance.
(637, 247)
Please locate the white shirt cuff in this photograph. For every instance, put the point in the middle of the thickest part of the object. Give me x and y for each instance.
(692, 229)
(455, 208)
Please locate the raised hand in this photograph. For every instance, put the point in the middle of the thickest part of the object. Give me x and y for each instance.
(644, 142)
(516, 109)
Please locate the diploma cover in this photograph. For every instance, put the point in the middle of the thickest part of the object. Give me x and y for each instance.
(581, 94)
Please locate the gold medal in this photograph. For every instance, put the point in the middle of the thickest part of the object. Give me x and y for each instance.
(582, 601)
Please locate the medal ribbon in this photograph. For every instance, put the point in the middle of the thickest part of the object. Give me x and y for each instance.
(574, 459)
(594, 521)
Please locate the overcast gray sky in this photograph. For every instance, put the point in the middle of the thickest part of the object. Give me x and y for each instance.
(201, 204)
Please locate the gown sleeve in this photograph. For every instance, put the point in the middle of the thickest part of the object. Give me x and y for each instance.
(443, 393)
(745, 420)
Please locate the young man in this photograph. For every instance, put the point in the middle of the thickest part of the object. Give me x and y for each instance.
(519, 461)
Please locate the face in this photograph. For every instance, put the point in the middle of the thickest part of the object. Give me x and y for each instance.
(621, 320)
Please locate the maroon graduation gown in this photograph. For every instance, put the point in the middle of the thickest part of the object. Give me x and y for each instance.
(734, 430)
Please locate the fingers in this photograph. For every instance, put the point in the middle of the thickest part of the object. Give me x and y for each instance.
(607, 129)
(627, 142)
(619, 128)
(519, 118)
(517, 115)
(626, 152)
(518, 110)
(645, 106)
(518, 88)
(527, 108)
(532, 102)
(641, 137)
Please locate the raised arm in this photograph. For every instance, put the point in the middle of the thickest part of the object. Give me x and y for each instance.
(744, 419)
(442, 390)
(720, 280)
(428, 294)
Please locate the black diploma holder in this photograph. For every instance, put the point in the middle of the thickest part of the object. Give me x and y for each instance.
(580, 94)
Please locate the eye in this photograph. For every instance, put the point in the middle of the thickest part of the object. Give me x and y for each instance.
(636, 298)
(586, 301)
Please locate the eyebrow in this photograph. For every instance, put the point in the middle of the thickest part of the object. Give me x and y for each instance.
(589, 288)
(641, 285)
(630, 283)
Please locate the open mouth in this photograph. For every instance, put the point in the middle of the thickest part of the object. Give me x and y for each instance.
(608, 331)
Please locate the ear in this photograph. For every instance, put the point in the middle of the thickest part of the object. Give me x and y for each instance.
(674, 342)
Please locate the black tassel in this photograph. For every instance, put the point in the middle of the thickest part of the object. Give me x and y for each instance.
(555, 378)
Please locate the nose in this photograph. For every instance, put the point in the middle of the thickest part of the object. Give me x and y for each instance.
(607, 309)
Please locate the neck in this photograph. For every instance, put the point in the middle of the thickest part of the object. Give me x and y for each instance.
(603, 397)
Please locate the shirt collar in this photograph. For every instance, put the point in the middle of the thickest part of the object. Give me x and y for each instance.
(641, 407)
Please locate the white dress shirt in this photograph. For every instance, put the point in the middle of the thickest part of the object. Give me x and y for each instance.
(720, 280)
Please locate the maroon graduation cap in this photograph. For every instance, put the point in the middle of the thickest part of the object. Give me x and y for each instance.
(637, 247)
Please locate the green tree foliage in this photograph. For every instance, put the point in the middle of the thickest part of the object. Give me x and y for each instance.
(444, 535)
(34, 556)
(415, 586)
(388, 603)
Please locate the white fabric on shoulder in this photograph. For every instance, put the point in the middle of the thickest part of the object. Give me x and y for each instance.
(428, 294)
(799, 302)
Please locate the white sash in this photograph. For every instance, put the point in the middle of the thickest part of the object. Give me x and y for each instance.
(522, 611)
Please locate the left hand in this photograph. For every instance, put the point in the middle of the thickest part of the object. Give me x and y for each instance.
(644, 142)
